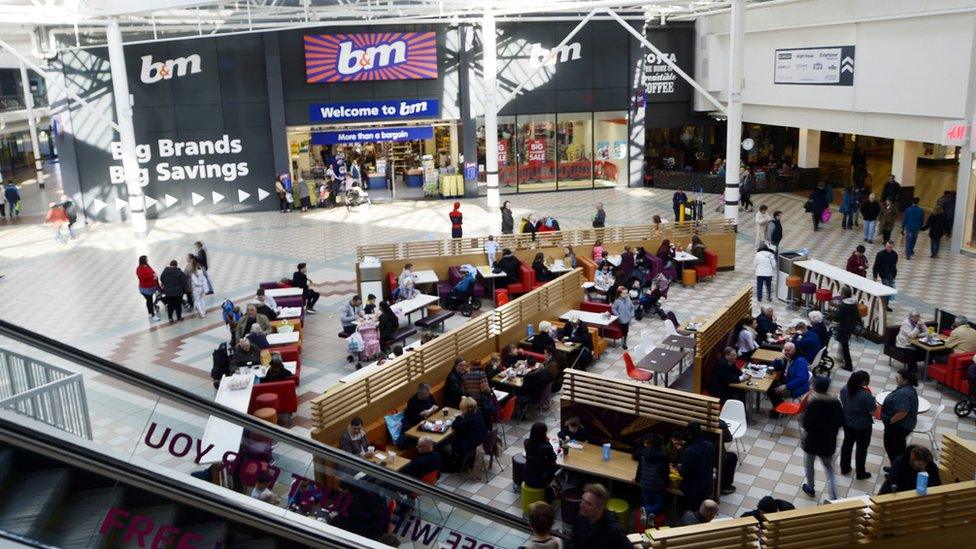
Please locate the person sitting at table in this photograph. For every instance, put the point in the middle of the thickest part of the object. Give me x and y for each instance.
(407, 291)
(675, 446)
(724, 374)
(258, 337)
(454, 384)
(513, 354)
(469, 432)
(370, 306)
(276, 370)
(746, 341)
(540, 460)
(245, 354)
(595, 525)
(796, 371)
(573, 429)
(265, 305)
(962, 338)
(475, 382)
(765, 323)
(807, 343)
(388, 324)
(542, 273)
(353, 440)
(420, 406)
(912, 329)
(251, 317)
(605, 258)
(464, 289)
(666, 254)
(542, 341)
(653, 476)
(602, 279)
(300, 280)
(569, 257)
(493, 366)
(642, 267)
(405, 274)
(819, 327)
(697, 249)
(696, 467)
(598, 250)
(351, 312)
(575, 331)
(906, 467)
(627, 260)
(509, 264)
(425, 462)
(705, 513)
(541, 519)
(534, 383)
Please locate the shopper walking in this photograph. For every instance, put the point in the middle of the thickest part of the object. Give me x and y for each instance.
(822, 421)
(171, 281)
(456, 219)
(148, 285)
(191, 261)
(936, 226)
(847, 319)
(859, 406)
(762, 223)
(857, 263)
(623, 307)
(775, 235)
(765, 264)
(600, 217)
(204, 262)
(71, 212)
(56, 218)
(886, 267)
(848, 208)
(747, 186)
(198, 286)
(12, 194)
(889, 214)
(891, 190)
(818, 203)
(899, 414)
(508, 221)
(911, 224)
(870, 211)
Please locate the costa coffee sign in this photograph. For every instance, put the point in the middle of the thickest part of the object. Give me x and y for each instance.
(370, 56)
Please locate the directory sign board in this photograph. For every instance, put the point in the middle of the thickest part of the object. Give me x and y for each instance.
(370, 56)
(821, 66)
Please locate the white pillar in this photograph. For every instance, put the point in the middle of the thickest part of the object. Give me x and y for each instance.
(904, 161)
(808, 155)
(733, 139)
(123, 112)
(489, 66)
(35, 145)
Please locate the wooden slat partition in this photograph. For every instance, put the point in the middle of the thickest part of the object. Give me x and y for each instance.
(717, 328)
(544, 303)
(726, 534)
(641, 399)
(907, 513)
(957, 459)
(835, 525)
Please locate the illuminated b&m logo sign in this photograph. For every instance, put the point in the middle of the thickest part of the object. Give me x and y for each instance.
(370, 56)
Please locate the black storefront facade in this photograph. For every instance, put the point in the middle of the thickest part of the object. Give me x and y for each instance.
(213, 130)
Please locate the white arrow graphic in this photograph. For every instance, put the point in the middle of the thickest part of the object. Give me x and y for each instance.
(217, 197)
(262, 194)
(242, 196)
(97, 206)
(169, 200)
(847, 61)
(150, 201)
(119, 204)
(195, 198)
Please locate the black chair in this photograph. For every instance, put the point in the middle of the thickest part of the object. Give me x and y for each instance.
(890, 349)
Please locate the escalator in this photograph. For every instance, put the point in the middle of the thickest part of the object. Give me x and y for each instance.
(88, 445)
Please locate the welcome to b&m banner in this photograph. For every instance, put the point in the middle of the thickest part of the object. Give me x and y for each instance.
(370, 56)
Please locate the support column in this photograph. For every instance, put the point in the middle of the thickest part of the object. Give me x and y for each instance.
(35, 144)
(127, 134)
(469, 127)
(808, 153)
(733, 139)
(489, 66)
(904, 161)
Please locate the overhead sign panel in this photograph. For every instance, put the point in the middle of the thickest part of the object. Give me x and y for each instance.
(374, 110)
(367, 135)
(821, 66)
(370, 56)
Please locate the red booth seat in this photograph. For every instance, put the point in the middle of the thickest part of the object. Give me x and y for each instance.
(287, 395)
(957, 365)
(269, 285)
(612, 331)
(289, 354)
(539, 357)
(708, 267)
(391, 283)
(526, 281)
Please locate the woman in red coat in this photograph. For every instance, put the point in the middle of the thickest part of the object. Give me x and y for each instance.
(858, 262)
(148, 284)
(455, 216)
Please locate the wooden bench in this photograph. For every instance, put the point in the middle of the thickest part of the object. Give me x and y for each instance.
(400, 336)
(434, 320)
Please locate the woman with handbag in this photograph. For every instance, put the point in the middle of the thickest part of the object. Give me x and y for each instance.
(148, 286)
(283, 203)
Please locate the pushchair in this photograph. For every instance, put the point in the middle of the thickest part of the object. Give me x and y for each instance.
(356, 196)
(462, 302)
(966, 406)
(364, 344)
(649, 299)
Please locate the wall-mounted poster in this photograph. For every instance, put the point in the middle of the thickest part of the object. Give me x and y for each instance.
(603, 150)
(502, 152)
(536, 150)
(823, 66)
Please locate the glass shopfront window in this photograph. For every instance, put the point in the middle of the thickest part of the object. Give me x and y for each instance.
(536, 146)
(574, 150)
(610, 144)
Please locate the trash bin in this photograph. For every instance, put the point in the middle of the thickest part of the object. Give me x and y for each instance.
(786, 260)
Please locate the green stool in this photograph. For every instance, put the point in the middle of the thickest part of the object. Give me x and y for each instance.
(621, 508)
(530, 496)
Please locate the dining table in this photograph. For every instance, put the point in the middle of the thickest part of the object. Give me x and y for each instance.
(661, 361)
(937, 345)
(283, 292)
(588, 459)
(444, 414)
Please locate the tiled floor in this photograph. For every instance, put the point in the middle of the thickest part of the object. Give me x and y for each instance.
(85, 294)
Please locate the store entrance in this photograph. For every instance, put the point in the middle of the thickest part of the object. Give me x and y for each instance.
(390, 169)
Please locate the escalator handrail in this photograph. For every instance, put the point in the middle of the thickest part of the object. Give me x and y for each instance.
(27, 542)
(209, 407)
(157, 482)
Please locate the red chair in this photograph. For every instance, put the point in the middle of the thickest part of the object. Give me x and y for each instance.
(793, 410)
(708, 267)
(957, 365)
(635, 373)
(391, 283)
(612, 330)
(287, 396)
(526, 281)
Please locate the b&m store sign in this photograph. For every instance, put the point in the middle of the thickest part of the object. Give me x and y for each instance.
(370, 56)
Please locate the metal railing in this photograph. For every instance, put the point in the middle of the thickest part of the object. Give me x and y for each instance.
(44, 392)
(16, 102)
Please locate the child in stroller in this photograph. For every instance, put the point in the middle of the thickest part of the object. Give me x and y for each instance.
(462, 297)
(364, 343)
(647, 300)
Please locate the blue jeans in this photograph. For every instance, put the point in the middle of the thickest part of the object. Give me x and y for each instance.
(827, 462)
(935, 246)
(910, 238)
(653, 502)
(848, 221)
(764, 281)
(869, 229)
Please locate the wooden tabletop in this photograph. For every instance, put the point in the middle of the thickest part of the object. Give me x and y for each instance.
(392, 464)
(622, 466)
(683, 342)
(416, 432)
(755, 384)
(586, 317)
(765, 355)
(661, 360)
(515, 381)
(561, 346)
(940, 346)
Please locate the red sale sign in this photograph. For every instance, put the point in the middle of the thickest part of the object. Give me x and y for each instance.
(536, 151)
(502, 153)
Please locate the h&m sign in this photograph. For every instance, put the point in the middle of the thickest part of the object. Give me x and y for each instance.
(370, 56)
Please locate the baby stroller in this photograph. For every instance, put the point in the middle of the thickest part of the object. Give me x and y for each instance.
(364, 344)
(462, 302)
(966, 406)
(648, 301)
(356, 196)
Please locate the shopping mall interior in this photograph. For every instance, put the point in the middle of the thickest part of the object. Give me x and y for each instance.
(341, 273)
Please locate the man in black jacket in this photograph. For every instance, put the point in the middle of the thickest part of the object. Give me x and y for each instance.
(245, 354)
(171, 280)
(454, 385)
(724, 374)
(300, 280)
(595, 526)
(765, 324)
(427, 460)
(906, 467)
(697, 464)
(886, 267)
(509, 264)
(776, 230)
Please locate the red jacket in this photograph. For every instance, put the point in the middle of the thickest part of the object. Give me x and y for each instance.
(147, 276)
(456, 217)
(858, 265)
